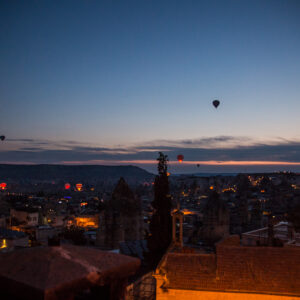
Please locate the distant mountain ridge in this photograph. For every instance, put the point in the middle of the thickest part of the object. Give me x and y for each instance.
(92, 173)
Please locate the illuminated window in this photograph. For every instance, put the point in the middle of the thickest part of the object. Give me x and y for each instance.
(4, 245)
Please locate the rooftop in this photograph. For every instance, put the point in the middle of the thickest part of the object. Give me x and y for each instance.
(235, 268)
(282, 231)
(47, 270)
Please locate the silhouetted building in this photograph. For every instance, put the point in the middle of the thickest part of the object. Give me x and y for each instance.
(215, 220)
(122, 220)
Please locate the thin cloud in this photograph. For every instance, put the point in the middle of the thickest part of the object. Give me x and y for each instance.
(221, 150)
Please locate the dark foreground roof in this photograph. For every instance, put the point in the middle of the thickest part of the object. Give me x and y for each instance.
(234, 268)
(42, 272)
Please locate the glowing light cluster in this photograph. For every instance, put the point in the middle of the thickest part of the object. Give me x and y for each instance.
(230, 189)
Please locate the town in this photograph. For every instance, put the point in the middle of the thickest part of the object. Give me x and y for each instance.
(149, 150)
(262, 209)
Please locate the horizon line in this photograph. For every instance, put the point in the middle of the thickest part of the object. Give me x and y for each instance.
(171, 162)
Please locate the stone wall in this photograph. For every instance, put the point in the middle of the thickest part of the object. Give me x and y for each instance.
(143, 288)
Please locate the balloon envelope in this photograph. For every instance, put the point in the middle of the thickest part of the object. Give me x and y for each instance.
(2, 137)
(198, 165)
(216, 103)
(3, 185)
(79, 186)
(67, 186)
(180, 158)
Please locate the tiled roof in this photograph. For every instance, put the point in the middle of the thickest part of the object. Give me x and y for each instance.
(236, 268)
(45, 269)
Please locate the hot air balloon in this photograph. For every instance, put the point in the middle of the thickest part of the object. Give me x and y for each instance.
(67, 186)
(79, 186)
(198, 165)
(180, 158)
(3, 186)
(2, 137)
(216, 103)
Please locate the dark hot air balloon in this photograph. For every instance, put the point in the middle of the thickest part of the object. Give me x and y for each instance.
(216, 103)
(198, 165)
(180, 158)
(2, 137)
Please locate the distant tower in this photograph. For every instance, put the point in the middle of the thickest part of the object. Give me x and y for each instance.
(122, 219)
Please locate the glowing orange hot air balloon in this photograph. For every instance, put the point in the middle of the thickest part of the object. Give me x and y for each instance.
(67, 186)
(180, 158)
(3, 186)
(79, 187)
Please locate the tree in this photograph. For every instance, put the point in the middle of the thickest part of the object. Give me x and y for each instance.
(160, 235)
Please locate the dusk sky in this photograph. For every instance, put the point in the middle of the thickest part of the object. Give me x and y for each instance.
(114, 82)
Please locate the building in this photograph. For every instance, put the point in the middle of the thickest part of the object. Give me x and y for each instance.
(282, 232)
(4, 221)
(10, 239)
(215, 220)
(233, 272)
(64, 272)
(90, 221)
(122, 219)
(44, 233)
(25, 216)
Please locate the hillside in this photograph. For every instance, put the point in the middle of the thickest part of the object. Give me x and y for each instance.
(85, 173)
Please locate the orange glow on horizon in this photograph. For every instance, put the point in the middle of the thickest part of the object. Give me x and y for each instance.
(207, 163)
